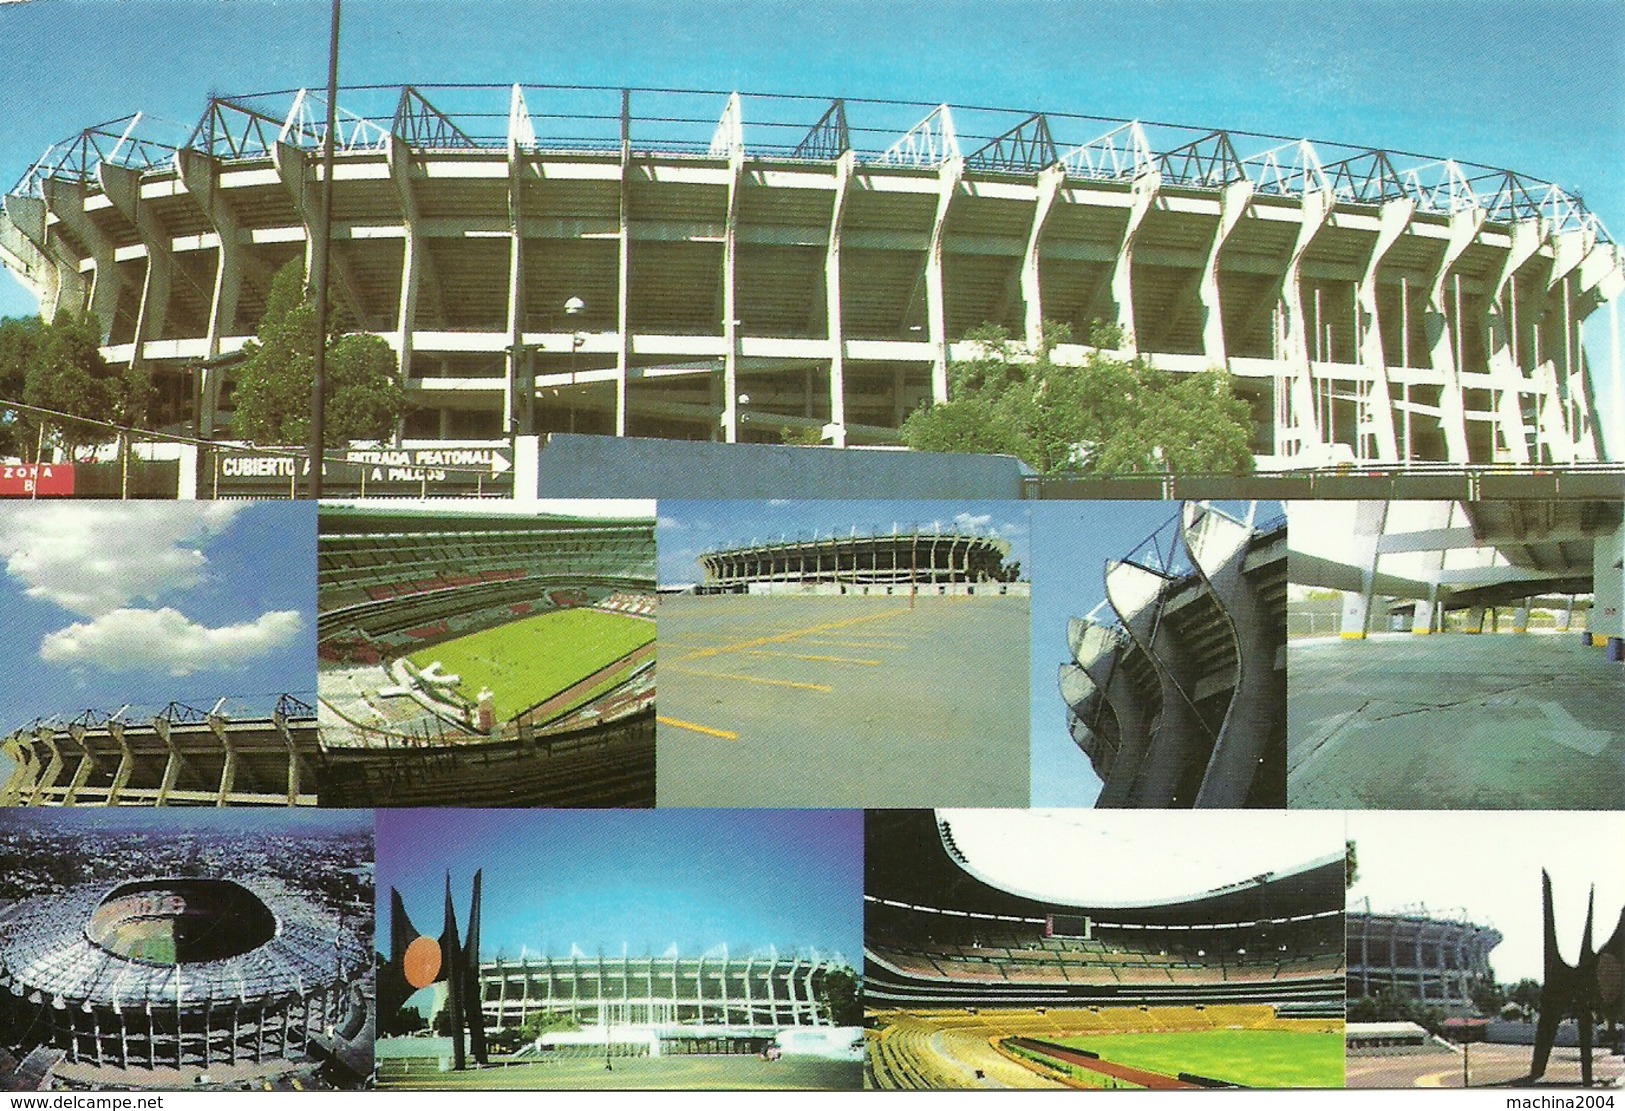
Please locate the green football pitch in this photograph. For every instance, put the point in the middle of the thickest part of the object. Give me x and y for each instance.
(1252, 1058)
(529, 661)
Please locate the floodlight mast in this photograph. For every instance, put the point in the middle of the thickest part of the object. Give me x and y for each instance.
(320, 267)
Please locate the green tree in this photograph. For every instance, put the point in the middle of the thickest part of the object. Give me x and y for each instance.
(543, 1022)
(1105, 415)
(67, 374)
(20, 339)
(838, 991)
(1487, 997)
(1396, 1004)
(1526, 994)
(271, 400)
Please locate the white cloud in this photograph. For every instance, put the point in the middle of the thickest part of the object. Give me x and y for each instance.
(973, 520)
(669, 524)
(95, 559)
(167, 640)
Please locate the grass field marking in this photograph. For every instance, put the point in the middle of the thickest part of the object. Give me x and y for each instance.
(530, 660)
(678, 723)
(1256, 1058)
(749, 679)
(794, 634)
(819, 659)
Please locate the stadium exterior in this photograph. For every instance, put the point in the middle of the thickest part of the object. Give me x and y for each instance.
(911, 559)
(181, 756)
(731, 267)
(1179, 698)
(177, 973)
(760, 992)
(1439, 960)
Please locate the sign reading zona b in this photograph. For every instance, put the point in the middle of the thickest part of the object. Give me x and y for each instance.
(36, 480)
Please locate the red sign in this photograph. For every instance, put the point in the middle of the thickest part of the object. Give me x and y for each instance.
(36, 480)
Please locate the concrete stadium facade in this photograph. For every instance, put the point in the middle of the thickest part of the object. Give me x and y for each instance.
(1439, 960)
(900, 559)
(732, 267)
(269, 975)
(1179, 699)
(181, 756)
(759, 992)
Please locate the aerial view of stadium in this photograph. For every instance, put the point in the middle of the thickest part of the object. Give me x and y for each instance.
(1465, 976)
(1089, 949)
(685, 949)
(487, 656)
(832, 653)
(1173, 685)
(160, 654)
(205, 950)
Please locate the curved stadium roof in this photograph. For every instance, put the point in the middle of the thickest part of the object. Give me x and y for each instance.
(1176, 874)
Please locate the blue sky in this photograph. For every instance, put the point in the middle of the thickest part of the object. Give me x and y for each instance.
(687, 528)
(1538, 87)
(107, 603)
(601, 879)
(1071, 542)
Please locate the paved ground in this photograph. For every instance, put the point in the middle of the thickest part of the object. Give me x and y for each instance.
(1452, 721)
(643, 1073)
(1488, 1064)
(842, 701)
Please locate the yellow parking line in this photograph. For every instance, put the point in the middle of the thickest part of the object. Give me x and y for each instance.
(871, 645)
(780, 638)
(692, 728)
(751, 679)
(819, 659)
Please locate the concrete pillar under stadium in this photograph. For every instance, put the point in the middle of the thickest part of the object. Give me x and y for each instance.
(1369, 519)
(1218, 546)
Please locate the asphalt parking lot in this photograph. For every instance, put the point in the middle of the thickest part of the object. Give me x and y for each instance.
(842, 701)
(1452, 721)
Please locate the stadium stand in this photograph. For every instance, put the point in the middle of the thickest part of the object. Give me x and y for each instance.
(392, 584)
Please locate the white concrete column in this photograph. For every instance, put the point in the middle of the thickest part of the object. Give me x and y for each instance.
(1443, 345)
(1505, 375)
(1049, 182)
(1233, 202)
(730, 301)
(1370, 517)
(1302, 430)
(835, 431)
(948, 178)
(519, 397)
(1392, 220)
(66, 201)
(200, 173)
(623, 268)
(413, 248)
(41, 258)
(1143, 194)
